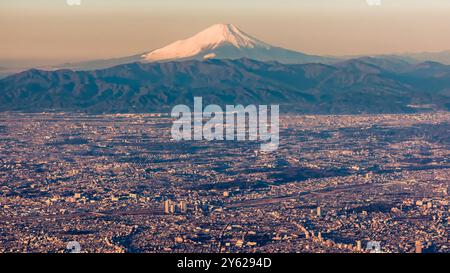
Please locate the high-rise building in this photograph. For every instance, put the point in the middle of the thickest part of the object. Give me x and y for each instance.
(418, 247)
(167, 206)
(182, 206)
(358, 245)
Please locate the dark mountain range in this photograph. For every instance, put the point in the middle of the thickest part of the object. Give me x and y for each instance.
(365, 85)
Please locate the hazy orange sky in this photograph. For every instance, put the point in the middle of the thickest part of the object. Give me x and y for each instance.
(53, 31)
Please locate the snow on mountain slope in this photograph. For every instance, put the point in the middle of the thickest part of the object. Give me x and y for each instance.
(226, 41)
(207, 40)
(220, 41)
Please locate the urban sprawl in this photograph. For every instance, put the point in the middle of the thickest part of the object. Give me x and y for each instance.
(119, 183)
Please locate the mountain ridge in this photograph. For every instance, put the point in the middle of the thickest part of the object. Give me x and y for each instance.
(346, 88)
(219, 41)
(226, 41)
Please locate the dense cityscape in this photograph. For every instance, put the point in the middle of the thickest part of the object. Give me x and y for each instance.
(119, 183)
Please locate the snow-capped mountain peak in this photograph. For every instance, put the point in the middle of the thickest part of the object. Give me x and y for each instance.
(220, 41)
(206, 41)
(227, 33)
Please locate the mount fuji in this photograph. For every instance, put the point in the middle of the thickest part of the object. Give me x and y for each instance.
(220, 41)
(226, 41)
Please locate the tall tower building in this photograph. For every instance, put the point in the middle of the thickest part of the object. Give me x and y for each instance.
(167, 206)
(358, 245)
(182, 206)
(418, 247)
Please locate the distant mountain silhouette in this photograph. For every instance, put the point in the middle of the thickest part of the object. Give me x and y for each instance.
(365, 85)
(441, 57)
(226, 41)
(219, 41)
